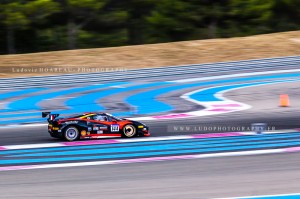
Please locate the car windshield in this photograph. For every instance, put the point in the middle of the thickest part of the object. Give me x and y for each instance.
(114, 117)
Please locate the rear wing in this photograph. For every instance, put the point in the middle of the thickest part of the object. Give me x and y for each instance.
(51, 116)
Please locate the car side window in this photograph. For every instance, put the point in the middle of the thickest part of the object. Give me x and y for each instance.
(105, 118)
(110, 118)
(100, 118)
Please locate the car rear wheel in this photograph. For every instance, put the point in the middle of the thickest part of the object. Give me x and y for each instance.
(129, 131)
(71, 133)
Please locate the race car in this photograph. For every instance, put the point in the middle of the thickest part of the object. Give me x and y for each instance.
(93, 125)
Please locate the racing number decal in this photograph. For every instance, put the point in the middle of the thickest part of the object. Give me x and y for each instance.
(114, 128)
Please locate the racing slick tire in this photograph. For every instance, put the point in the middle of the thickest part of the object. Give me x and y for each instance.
(129, 131)
(71, 133)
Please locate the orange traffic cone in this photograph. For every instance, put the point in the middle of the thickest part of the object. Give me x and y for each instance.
(284, 100)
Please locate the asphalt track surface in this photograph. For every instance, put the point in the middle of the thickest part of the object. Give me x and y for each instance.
(197, 179)
(200, 178)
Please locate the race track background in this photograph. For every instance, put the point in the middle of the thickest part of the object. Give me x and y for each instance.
(229, 94)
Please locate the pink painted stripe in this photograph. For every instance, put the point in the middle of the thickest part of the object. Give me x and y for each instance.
(220, 109)
(180, 115)
(91, 142)
(2, 148)
(214, 135)
(226, 105)
(292, 149)
(14, 168)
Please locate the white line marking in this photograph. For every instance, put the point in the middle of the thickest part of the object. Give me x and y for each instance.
(22, 125)
(234, 75)
(220, 94)
(262, 196)
(209, 105)
(57, 98)
(118, 86)
(33, 146)
(156, 138)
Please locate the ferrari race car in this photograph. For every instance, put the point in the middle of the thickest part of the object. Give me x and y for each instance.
(93, 125)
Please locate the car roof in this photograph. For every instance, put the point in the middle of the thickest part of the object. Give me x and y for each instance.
(96, 113)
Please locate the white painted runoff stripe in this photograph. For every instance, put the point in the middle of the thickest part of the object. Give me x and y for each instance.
(264, 196)
(210, 105)
(150, 139)
(32, 146)
(234, 75)
(219, 95)
(22, 125)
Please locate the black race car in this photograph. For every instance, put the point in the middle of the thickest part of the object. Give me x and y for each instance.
(93, 125)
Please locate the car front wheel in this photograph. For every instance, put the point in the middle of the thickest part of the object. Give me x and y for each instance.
(129, 131)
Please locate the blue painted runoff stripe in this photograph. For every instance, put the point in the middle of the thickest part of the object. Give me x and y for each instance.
(19, 92)
(31, 102)
(145, 101)
(148, 103)
(281, 196)
(173, 147)
(88, 102)
(140, 154)
(150, 151)
(38, 114)
(208, 95)
(208, 141)
(28, 120)
(82, 103)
